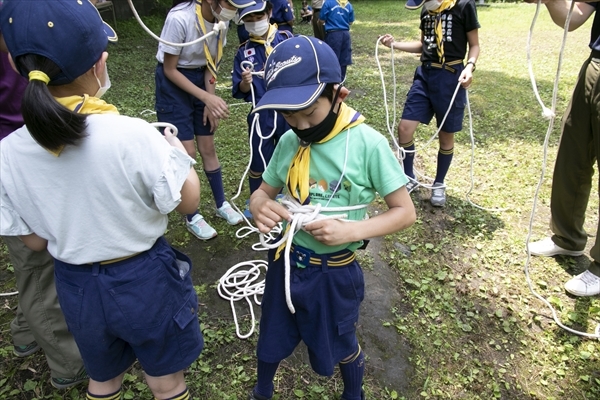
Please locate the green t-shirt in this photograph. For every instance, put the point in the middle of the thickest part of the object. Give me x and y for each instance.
(371, 167)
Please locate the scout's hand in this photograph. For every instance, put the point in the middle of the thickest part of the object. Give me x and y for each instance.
(466, 77)
(267, 213)
(217, 107)
(247, 76)
(387, 40)
(331, 232)
(208, 117)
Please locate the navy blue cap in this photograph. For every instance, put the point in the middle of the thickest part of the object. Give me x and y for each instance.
(71, 33)
(296, 73)
(241, 3)
(258, 6)
(414, 4)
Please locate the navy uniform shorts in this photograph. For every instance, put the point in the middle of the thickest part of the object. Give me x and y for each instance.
(180, 108)
(327, 301)
(431, 93)
(341, 44)
(139, 308)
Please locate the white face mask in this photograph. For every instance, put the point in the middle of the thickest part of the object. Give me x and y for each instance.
(102, 88)
(431, 5)
(225, 15)
(257, 28)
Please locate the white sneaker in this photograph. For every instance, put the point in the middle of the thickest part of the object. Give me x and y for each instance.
(584, 284)
(229, 214)
(547, 248)
(200, 228)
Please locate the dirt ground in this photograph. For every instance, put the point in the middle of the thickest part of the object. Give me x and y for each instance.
(387, 354)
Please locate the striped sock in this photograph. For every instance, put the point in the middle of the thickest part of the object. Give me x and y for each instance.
(254, 180)
(444, 159)
(215, 180)
(113, 396)
(352, 374)
(409, 158)
(185, 395)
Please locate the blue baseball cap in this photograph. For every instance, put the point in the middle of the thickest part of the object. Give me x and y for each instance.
(414, 4)
(296, 73)
(241, 3)
(258, 6)
(71, 33)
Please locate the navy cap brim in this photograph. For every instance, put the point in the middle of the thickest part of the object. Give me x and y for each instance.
(414, 4)
(241, 3)
(257, 7)
(290, 98)
(110, 33)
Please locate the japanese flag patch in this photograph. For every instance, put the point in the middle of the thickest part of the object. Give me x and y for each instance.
(249, 52)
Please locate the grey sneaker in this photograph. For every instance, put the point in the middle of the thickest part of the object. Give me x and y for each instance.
(26, 350)
(438, 194)
(412, 184)
(64, 383)
(254, 396)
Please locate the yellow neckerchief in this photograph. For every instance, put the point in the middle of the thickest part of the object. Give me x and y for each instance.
(342, 3)
(84, 105)
(439, 38)
(268, 42)
(212, 65)
(298, 174)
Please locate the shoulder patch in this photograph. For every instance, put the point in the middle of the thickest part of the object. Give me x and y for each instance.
(249, 52)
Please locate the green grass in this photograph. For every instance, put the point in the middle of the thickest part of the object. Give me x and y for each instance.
(473, 329)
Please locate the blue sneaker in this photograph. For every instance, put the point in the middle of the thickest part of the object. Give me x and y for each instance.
(199, 228)
(64, 383)
(229, 214)
(26, 350)
(247, 212)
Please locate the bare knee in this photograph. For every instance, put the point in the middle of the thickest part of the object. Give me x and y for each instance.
(166, 386)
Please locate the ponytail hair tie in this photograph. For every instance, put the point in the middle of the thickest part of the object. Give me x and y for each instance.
(39, 76)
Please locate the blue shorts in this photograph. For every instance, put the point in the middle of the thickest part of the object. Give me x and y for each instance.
(341, 44)
(136, 308)
(180, 108)
(262, 149)
(327, 301)
(430, 95)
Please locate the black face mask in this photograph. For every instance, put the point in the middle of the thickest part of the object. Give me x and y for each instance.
(322, 129)
(319, 131)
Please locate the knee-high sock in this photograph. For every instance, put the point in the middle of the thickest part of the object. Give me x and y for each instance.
(113, 396)
(254, 180)
(352, 375)
(215, 180)
(444, 159)
(409, 158)
(266, 373)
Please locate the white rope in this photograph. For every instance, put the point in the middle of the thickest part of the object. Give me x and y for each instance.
(218, 27)
(401, 152)
(238, 284)
(8, 294)
(596, 335)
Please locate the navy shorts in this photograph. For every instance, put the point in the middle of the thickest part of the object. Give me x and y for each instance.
(327, 301)
(136, 308)
(341, 44)
(180, 108)
(430, 95)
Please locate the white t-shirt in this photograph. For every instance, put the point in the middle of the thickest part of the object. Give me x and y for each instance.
(180, 27)
(107, 197)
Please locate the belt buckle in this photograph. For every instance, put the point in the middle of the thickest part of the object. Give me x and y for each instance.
(302, 256)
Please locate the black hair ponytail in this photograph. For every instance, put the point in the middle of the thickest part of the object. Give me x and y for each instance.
(51, 124)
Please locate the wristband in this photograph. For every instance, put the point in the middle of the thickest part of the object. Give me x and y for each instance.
(473, 64)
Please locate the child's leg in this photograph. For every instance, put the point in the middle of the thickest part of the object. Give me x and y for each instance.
(265, 374)
(352, 370)
(212, 167)
(254, 180)
(445, 154)
(170, 386)
(406, 133)
(107, 390)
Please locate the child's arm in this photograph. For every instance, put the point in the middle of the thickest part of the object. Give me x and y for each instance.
(217, 106)
(410, 47)
(466, 77)
(34, 242)
(190, 191)
(400, 215)
(267, 213)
